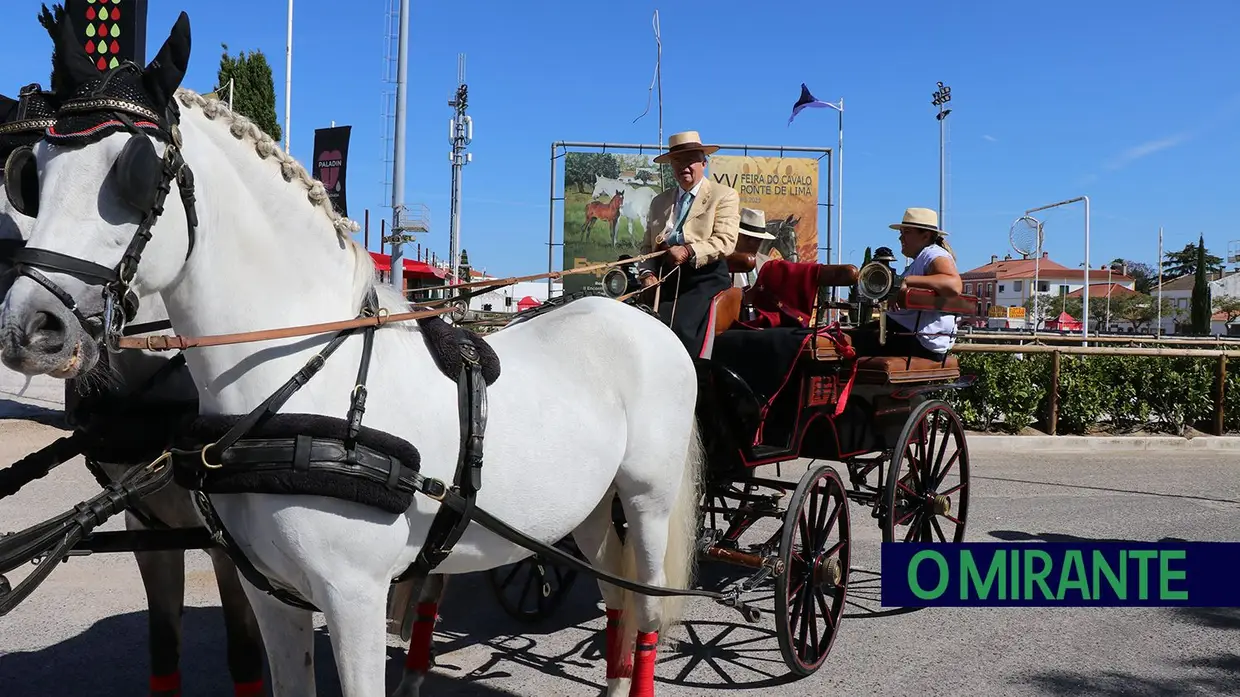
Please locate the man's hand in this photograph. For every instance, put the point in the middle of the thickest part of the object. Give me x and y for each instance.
(648, 280)
(679, 254)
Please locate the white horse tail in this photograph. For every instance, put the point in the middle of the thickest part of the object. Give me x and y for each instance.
(684, 529)
(680, 558)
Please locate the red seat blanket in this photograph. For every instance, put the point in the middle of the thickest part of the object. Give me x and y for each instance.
(784, 294)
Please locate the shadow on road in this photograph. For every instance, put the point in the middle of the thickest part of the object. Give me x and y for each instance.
(1106, 488)
(1217, 674)
(11, 409)
(111, 655)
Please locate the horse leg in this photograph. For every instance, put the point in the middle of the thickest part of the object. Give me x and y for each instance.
(421, 656)
(596, 538)
(660, 541)
(288, 636)
(355, 608)
(163, 577)
(245, 643)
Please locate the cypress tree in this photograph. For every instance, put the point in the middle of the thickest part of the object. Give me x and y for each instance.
(254, 89)
(1199, 311)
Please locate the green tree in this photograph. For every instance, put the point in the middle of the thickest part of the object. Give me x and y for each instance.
(1229, 305)
(1185, 261)
(582, 169)
(1199, 315)
(1051, 306)
(1144, 275)
(253, 89)
(868, 256)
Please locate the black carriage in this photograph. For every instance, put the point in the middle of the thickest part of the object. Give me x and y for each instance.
(788, 389)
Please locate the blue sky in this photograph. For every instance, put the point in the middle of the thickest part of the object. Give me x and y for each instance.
(1135, 105)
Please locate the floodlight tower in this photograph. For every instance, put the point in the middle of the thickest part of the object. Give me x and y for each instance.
(941, 97)
(460, 134)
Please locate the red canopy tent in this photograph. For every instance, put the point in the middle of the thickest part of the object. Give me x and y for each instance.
(413, 267)
(526, 303)
(1064, 322)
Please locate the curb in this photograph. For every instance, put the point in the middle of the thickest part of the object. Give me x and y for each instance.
(979, 443)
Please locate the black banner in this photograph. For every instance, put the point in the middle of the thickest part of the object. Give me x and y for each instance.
(111, 31)
(331, 155)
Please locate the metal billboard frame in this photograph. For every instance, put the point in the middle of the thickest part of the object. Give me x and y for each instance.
(640, 149)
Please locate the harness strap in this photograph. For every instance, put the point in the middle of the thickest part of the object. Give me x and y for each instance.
(357, 406)
(450, 522)
(273, 403)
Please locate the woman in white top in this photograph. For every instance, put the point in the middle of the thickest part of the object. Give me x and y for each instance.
(933, 268)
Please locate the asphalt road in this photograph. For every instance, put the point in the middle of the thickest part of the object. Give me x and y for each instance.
(84, 630)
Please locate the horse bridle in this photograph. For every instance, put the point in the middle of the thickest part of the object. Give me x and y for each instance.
(144, 182)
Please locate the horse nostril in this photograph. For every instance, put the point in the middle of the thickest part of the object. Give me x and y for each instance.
(47, 330)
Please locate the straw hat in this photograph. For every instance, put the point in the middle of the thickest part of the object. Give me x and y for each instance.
(920, 219)
(753, 223)
(685, 142)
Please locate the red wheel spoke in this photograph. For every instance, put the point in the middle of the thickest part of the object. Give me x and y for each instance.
(940, 476)
(822, 605)
(934, 521)
(834, 548)
(953, 490)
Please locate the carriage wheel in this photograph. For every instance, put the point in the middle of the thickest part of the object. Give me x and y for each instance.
(815, 549)
(927, 485)
(532, 589)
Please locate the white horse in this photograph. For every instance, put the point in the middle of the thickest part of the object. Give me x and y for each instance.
(595, 400)
(162, 572)
(636, 207)
(606, 186)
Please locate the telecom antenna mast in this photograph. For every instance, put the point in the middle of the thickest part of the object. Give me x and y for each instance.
(460, 134)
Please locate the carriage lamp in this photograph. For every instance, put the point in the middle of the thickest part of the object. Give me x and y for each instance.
(615, 282)
(621, 280)
(877, 282)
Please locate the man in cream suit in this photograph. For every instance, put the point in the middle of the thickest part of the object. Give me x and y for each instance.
(697, 222)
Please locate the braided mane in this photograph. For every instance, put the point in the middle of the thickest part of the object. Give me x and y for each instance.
(243, 129)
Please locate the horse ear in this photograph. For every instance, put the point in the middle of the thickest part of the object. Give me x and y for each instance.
(75, 66)
(164, 74)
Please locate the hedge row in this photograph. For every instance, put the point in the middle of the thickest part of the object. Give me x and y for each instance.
(1097, 394)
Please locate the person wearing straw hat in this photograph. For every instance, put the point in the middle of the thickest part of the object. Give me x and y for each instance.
(697, 222)
(752, 233)
(921, 333)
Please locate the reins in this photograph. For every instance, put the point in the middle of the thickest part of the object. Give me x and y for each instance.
(381, 317)
(163, 342)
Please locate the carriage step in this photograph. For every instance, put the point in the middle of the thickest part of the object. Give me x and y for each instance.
(770, 452)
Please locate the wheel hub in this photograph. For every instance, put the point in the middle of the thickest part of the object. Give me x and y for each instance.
(942, 505)
(827, 572)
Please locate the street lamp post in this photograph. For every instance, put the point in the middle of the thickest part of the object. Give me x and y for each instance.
(1085, 291)
(941, 98)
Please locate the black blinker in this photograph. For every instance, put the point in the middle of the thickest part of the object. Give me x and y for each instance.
(21, 181)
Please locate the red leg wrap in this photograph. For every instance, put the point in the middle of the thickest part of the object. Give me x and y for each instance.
(419, 658)
(643, 665)
(166, 685)
(253, 688)
(617, 666)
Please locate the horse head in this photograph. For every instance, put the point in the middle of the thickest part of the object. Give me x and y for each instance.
(785, 242)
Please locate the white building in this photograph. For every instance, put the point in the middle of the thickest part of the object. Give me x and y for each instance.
(1180, 292)
(1004, 285)
(512, 298)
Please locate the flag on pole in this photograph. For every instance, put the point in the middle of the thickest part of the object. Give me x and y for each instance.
(806, 100)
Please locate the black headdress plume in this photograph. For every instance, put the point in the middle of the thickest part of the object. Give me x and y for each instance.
(127, 97)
